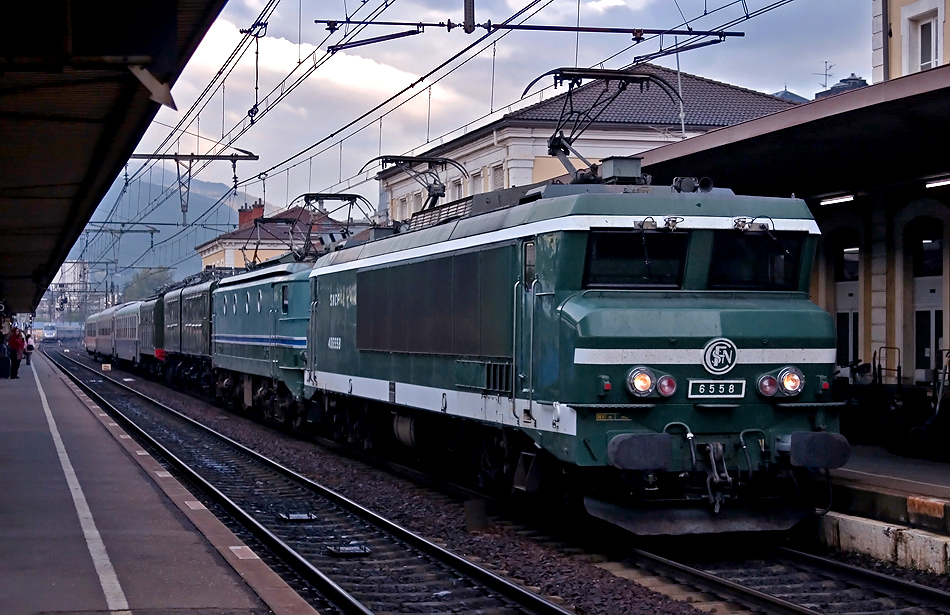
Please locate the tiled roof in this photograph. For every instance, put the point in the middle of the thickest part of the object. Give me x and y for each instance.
(706, 103)
(325, 231)
(299, 216)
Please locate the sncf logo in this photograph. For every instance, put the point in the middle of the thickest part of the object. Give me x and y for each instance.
(719, 356)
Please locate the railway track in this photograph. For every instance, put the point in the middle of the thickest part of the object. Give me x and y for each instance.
(358, 561)
(792, 582)
(782, 582)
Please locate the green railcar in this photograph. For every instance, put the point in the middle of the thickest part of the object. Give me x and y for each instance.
(260, 339)
(187, 336)
(152, 335)
(656, 349)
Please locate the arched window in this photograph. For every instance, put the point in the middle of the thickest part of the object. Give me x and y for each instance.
(924, 247)
(847, 252)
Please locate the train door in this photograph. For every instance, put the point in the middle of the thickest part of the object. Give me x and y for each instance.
(311, 328)
(274, 317)
(525, 291)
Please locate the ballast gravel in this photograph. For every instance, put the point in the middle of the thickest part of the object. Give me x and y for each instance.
(583, 587)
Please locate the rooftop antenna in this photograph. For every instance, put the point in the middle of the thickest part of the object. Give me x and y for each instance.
(825, 74)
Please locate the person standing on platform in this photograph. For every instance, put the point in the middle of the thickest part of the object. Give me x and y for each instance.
(17, 346)
(28, 352)
(4, 357)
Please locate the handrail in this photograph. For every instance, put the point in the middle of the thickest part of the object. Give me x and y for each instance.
(940, 386)
(312, 342)
(879, 371)
(514, 348)
(534, 302)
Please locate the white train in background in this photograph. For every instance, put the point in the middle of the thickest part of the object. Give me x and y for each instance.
(49, 331)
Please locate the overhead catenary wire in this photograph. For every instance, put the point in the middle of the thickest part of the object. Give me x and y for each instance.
(475, 43)
(433, 71)
(284, 92)
(509, 107)
(747, 15)
(403, 91)
(229, 66)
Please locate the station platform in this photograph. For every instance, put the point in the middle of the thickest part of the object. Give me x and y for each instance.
(894, 489)
(891, 508)
(91, 524)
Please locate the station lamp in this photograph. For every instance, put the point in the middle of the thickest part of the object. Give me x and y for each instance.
(837, 199)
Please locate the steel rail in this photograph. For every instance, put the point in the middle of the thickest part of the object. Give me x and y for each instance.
(522, 597)
(341, 598)
(937, 597)
(746, 595)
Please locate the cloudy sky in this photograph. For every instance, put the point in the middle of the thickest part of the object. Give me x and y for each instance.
(781, 48)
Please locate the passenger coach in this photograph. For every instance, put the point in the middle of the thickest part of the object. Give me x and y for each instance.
(105, 332)
(126, 336)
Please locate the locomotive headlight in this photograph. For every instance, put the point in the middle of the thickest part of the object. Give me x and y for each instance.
(768, 385)
(640, 381)
(791, 380)
(666, 385)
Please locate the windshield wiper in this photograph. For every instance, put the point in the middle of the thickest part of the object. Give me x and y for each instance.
(751, 226)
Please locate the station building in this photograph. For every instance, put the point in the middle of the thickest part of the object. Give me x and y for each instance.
(866, 161)
(907, 36)
(880, 195)
(513, 150)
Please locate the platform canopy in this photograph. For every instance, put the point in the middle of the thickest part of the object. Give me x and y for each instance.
(888, 135)
(71, 113)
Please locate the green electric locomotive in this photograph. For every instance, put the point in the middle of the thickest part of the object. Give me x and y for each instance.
(653, 347)
(260, 329)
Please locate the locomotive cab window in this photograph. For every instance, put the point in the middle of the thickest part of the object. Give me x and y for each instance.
(284, 299)
(635, 259)
(755, 260)
(530, 271)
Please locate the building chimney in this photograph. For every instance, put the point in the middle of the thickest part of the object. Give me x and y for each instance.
(247, 214)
